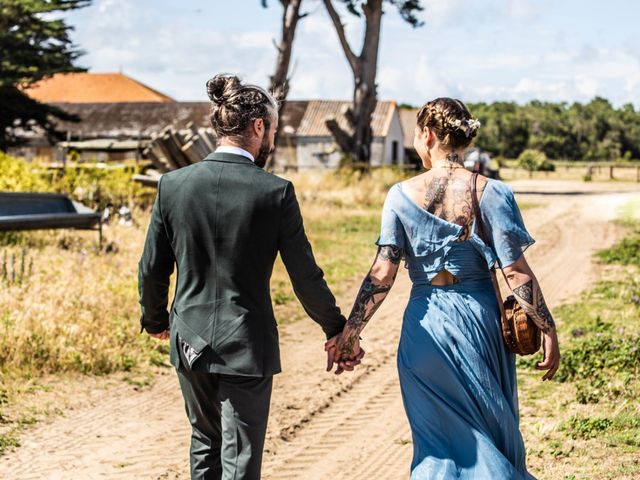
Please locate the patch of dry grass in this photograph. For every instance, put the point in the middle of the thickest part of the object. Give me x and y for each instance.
(73, 309)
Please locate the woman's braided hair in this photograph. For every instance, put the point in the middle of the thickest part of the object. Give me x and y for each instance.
(234, 106)
(450, 120)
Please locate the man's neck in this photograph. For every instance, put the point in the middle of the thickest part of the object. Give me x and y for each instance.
(225, 142)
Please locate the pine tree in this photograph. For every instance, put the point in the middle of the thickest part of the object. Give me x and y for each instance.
(33, 45)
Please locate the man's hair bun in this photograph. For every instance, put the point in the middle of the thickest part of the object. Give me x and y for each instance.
(234, 105)
(221, 87)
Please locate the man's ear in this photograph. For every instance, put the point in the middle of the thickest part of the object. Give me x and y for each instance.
(258, 126)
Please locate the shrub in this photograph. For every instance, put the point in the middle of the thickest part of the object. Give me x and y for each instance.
(535, 161)
(96, 187)
(18, 176)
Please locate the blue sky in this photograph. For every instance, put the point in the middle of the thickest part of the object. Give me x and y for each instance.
(476, 50)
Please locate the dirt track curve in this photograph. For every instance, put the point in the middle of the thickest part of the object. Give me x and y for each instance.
(321, 426)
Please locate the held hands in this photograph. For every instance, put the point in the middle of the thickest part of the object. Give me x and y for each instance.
(160, 336)
(343, 350)
(551, 360)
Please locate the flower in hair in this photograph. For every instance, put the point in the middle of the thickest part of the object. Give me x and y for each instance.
(474, 123)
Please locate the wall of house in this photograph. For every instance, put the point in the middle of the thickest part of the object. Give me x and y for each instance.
(394, 142)
(378, 153)
(285, 155)
(317, 153)
(322, 152)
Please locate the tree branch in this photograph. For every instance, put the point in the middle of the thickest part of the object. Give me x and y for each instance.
(342, 138)
(277, 46)
(335, 18)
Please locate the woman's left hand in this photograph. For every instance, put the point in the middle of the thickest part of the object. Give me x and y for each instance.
(551, 361)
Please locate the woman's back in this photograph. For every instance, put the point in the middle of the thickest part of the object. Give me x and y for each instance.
(432, 218)
(446, 193)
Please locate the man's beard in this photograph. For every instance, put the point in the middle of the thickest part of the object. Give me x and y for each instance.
(264, 152)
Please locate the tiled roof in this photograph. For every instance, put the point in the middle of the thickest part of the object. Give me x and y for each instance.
(320, 110)
(119, 120)
(291, 116)
(408, 120)
(84, 87)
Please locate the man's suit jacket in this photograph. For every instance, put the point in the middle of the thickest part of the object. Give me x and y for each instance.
(222, 222)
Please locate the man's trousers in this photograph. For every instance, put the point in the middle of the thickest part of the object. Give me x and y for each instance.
(228, 415)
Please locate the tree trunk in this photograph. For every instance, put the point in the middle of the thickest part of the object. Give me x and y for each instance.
(364, 68)
(279, 81)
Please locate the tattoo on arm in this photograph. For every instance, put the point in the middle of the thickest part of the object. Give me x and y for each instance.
(371, 295)
(530, 298)
(390, 253)
(525, 292)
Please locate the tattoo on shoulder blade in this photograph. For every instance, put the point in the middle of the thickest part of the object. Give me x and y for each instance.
(434, 194)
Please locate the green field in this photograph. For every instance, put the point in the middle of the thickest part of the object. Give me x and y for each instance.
(588, 420)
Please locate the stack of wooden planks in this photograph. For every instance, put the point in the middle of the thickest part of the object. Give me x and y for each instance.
(171, 149)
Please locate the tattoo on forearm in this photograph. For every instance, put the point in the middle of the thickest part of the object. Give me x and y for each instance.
(544, 314)
(530, 298)
(390, 253)
(525, 292)
(370, 296)
(369, 299)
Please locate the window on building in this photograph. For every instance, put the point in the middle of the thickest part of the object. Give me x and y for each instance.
(394, 151)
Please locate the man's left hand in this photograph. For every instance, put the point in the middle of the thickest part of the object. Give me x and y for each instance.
(160, 336)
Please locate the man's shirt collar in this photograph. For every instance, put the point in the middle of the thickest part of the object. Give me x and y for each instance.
(236, 151)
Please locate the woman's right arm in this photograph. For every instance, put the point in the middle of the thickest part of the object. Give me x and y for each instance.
(527, 292)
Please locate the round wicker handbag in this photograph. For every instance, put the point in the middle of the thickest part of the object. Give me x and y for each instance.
(521, 335)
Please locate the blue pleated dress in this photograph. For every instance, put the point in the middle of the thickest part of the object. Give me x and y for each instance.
(458, 380)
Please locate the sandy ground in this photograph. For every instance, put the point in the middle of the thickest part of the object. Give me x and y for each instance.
(321, 425)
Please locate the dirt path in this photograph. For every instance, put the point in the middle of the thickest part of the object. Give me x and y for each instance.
(320, 424)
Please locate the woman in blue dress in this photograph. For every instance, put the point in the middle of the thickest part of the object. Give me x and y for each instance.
(457, 377)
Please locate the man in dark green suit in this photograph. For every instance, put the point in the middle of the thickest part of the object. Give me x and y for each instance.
(222, 222)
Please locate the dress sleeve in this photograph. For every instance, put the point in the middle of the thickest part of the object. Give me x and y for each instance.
(391, 230)
(504, 227)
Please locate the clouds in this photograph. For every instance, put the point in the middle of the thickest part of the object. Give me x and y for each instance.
(479, 51)
(174, 51)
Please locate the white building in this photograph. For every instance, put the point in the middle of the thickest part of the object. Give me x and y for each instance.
(315, 147)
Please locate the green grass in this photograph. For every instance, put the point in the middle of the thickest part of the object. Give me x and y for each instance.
(626, 252)
(617, 430)
(343, 244)
(588, 417)
(600, 342)
(7, 441)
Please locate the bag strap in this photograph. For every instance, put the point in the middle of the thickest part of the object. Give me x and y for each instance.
(481, 232)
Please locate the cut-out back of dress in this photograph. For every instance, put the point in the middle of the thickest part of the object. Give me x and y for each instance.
(446, 194)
